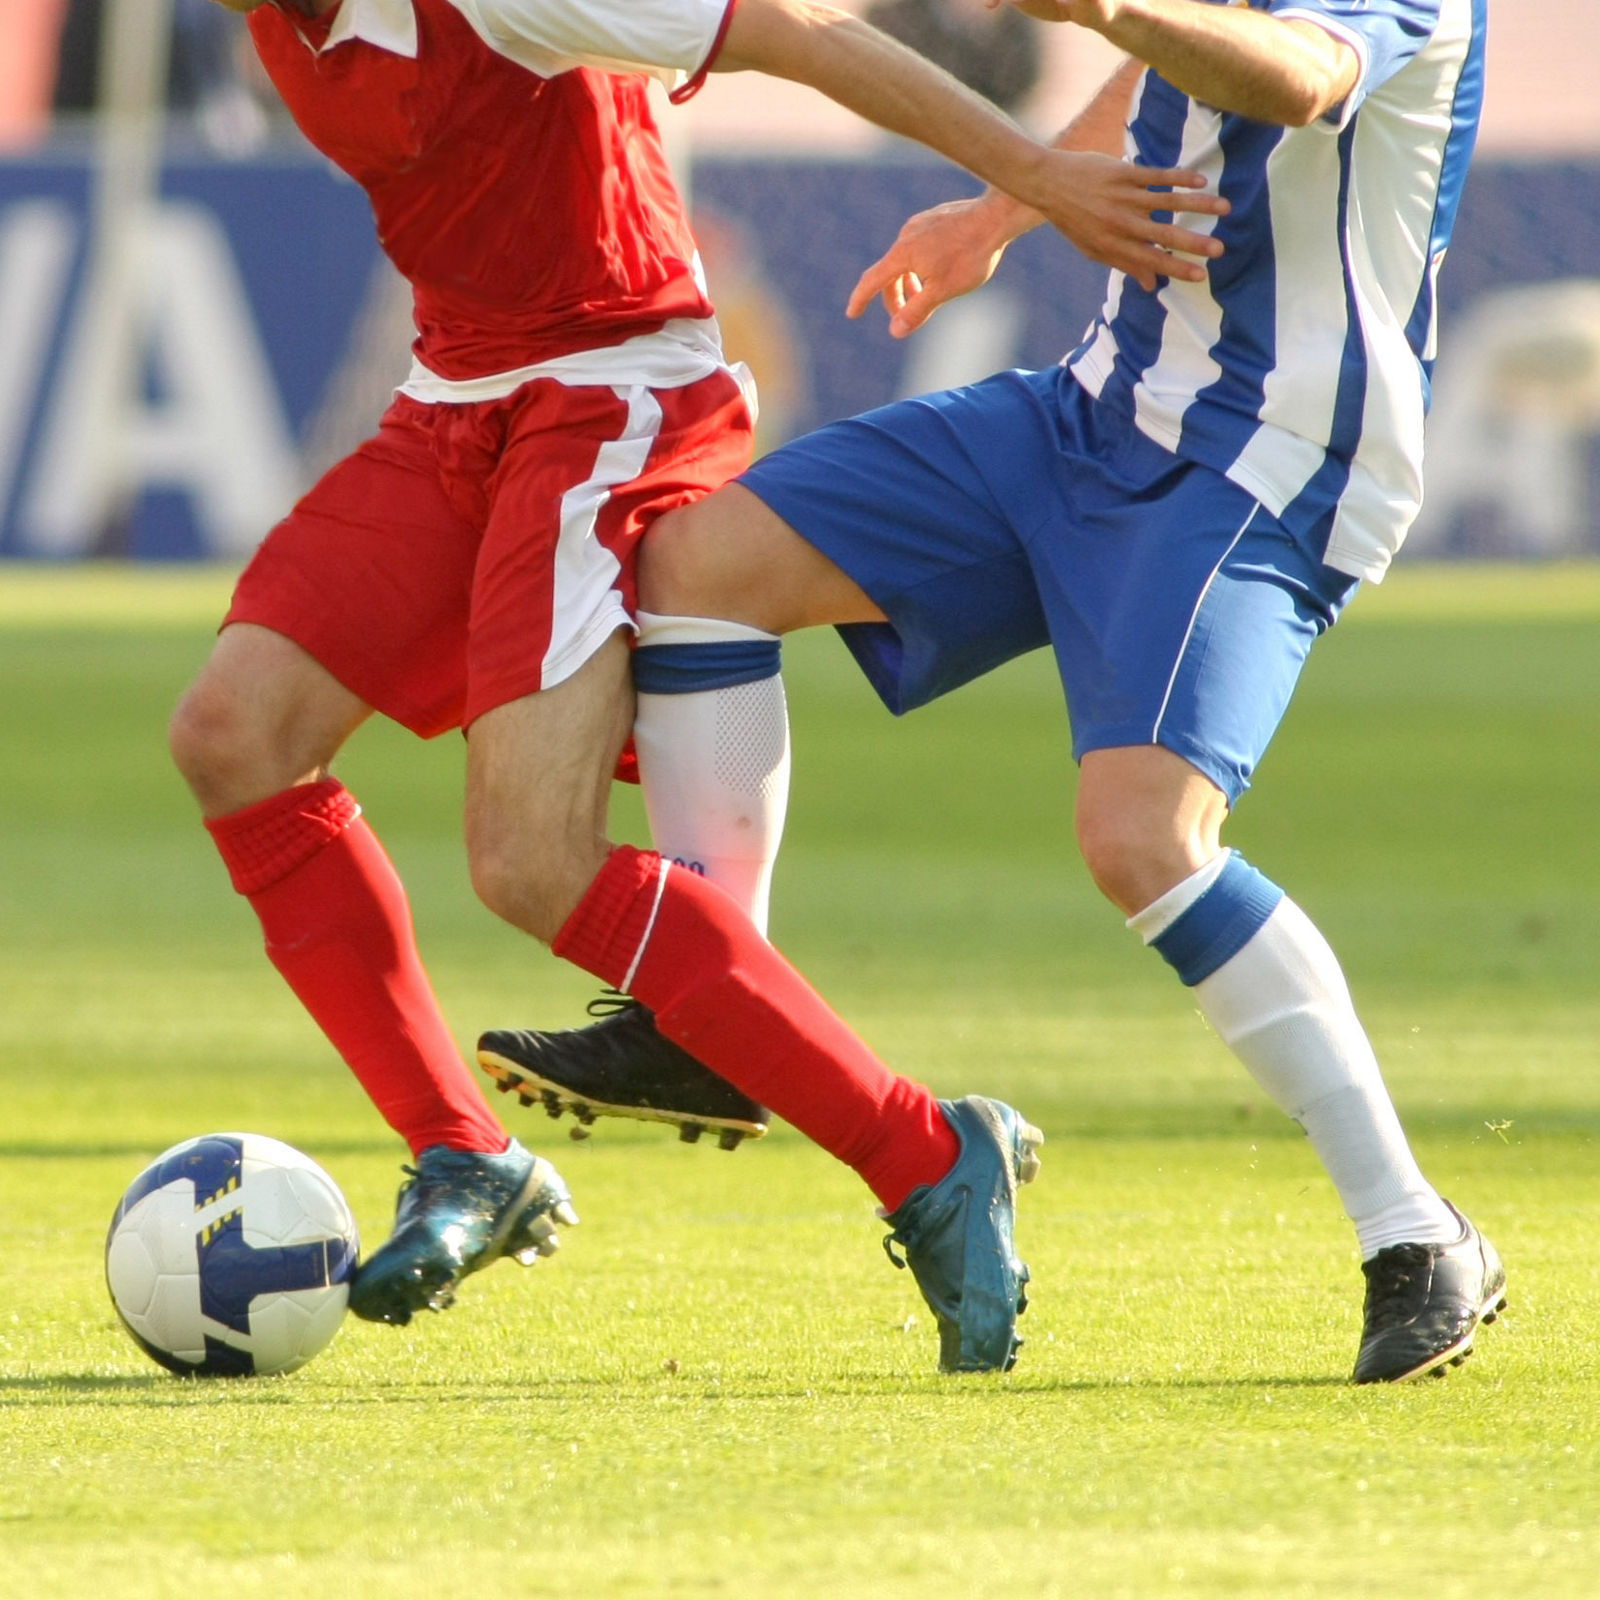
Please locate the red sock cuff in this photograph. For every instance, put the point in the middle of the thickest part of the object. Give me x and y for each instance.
(262, 844)
(607, 929)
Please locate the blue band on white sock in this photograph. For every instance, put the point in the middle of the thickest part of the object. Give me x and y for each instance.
(1220, 923)
(690, 668)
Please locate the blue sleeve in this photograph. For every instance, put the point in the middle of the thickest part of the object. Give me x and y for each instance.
(1385, 34)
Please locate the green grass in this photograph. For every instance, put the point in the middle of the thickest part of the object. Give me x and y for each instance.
(719, 1387)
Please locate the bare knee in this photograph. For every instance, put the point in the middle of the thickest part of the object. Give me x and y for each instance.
(215, 747)
(262, 715)
(533, 883)
(1146, 820)
(1126, 863)
(684, 565)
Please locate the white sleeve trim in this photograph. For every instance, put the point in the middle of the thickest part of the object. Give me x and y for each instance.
(1352, 101)
(668, 38)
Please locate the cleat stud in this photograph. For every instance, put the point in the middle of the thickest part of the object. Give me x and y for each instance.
(730, 1139)
(583, 1114)
(690, 1132)
(523, 1097)
(1490, 1316)
(565, 1215)
(578, 1132)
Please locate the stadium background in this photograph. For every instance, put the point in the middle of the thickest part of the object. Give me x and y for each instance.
(723, 1388)
(269, 330)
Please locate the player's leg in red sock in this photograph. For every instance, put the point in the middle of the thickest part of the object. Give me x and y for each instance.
(263, 716)
(539, 774)
(337, 926)
(718, 989)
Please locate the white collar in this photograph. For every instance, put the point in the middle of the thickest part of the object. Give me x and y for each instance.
(389, 24)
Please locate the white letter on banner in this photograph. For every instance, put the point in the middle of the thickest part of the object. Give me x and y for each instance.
(37, 238)
(217, 431)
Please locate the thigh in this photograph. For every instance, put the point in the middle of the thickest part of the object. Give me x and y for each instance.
(583, 472)
(371, 575)
(923, 505)
(731, 556)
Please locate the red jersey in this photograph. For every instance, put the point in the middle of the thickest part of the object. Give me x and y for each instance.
(521, 189)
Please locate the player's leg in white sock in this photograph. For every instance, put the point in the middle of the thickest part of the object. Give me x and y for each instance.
(712, 733)
(1267, 981)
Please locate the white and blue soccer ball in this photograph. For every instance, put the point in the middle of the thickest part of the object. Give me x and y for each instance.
(231, 1254)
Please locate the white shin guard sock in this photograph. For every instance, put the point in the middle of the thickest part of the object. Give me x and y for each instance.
(1282, 1006)
(714, 766)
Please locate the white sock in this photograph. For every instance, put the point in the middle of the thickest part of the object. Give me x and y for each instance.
(1282, 1006)
(714, 766)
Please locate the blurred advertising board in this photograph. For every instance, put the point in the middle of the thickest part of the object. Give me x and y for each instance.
(270, 332)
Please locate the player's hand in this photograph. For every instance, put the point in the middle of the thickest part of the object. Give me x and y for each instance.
(1111, 211)
(940, 254)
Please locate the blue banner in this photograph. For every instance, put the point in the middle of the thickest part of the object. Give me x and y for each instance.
(270, 332)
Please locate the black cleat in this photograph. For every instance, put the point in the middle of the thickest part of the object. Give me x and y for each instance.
(1424, 1304)
(620, 1066)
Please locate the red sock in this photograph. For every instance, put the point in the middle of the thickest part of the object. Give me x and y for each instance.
(338, 928)
(686, 950)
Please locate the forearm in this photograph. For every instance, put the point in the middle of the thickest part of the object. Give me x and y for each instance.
(1288, 71)
(882, 81)
(1101, 128)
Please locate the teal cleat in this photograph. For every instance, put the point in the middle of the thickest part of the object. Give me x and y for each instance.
(956, 1235)
(459, 1211)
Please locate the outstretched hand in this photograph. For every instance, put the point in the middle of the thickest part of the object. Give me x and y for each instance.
(940, 254)
(1109, 208)
(1106, 207)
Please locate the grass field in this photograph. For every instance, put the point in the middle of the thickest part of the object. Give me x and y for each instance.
(720, 1387)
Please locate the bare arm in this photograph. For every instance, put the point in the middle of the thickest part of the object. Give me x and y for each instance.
(1270, 69)
(1103, 206)
(952, 249)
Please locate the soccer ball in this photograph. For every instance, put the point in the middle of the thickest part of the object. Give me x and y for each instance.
(231, 1254)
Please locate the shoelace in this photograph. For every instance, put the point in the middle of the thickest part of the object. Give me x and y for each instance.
(1396, 1288)
(609, 1002)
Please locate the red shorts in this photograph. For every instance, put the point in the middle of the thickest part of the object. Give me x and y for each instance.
(468, 555)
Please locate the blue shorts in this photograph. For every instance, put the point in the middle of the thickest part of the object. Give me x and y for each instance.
(991, 520)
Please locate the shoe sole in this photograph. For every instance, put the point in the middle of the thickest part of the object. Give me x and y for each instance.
(1439, 1365)
(511, 1077)
(1028, 1141)
(528, 1231)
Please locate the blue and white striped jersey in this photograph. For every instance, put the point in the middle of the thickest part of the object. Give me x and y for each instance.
(1300, 368)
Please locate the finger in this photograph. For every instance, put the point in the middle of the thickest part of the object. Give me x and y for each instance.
(1179, 267)
(1169, 236)
(1146, 265)
(868, 286)
(1191, 193)
(918, 307)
